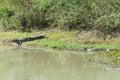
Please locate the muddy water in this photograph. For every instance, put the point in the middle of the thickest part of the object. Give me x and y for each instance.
(46, 64)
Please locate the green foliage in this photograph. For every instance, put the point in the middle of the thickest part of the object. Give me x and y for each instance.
(26, 15)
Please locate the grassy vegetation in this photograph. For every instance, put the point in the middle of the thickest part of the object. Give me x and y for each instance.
(72, 45)
(86, 23)
(57, 39)
(26, 15)
(110, 58)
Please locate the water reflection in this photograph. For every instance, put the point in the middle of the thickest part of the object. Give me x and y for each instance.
(39, 64)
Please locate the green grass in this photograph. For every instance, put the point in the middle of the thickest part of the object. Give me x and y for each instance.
(70, 45)
(61, 40)
(103, 16)
(13, 35)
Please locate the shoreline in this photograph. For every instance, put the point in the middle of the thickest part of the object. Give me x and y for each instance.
(64, 40)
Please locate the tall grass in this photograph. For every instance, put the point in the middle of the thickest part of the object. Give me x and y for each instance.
(26, 15)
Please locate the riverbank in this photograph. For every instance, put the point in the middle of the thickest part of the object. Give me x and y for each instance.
(69, 40)
(63, 39)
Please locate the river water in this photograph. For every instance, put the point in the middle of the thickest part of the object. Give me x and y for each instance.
(47, 64)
